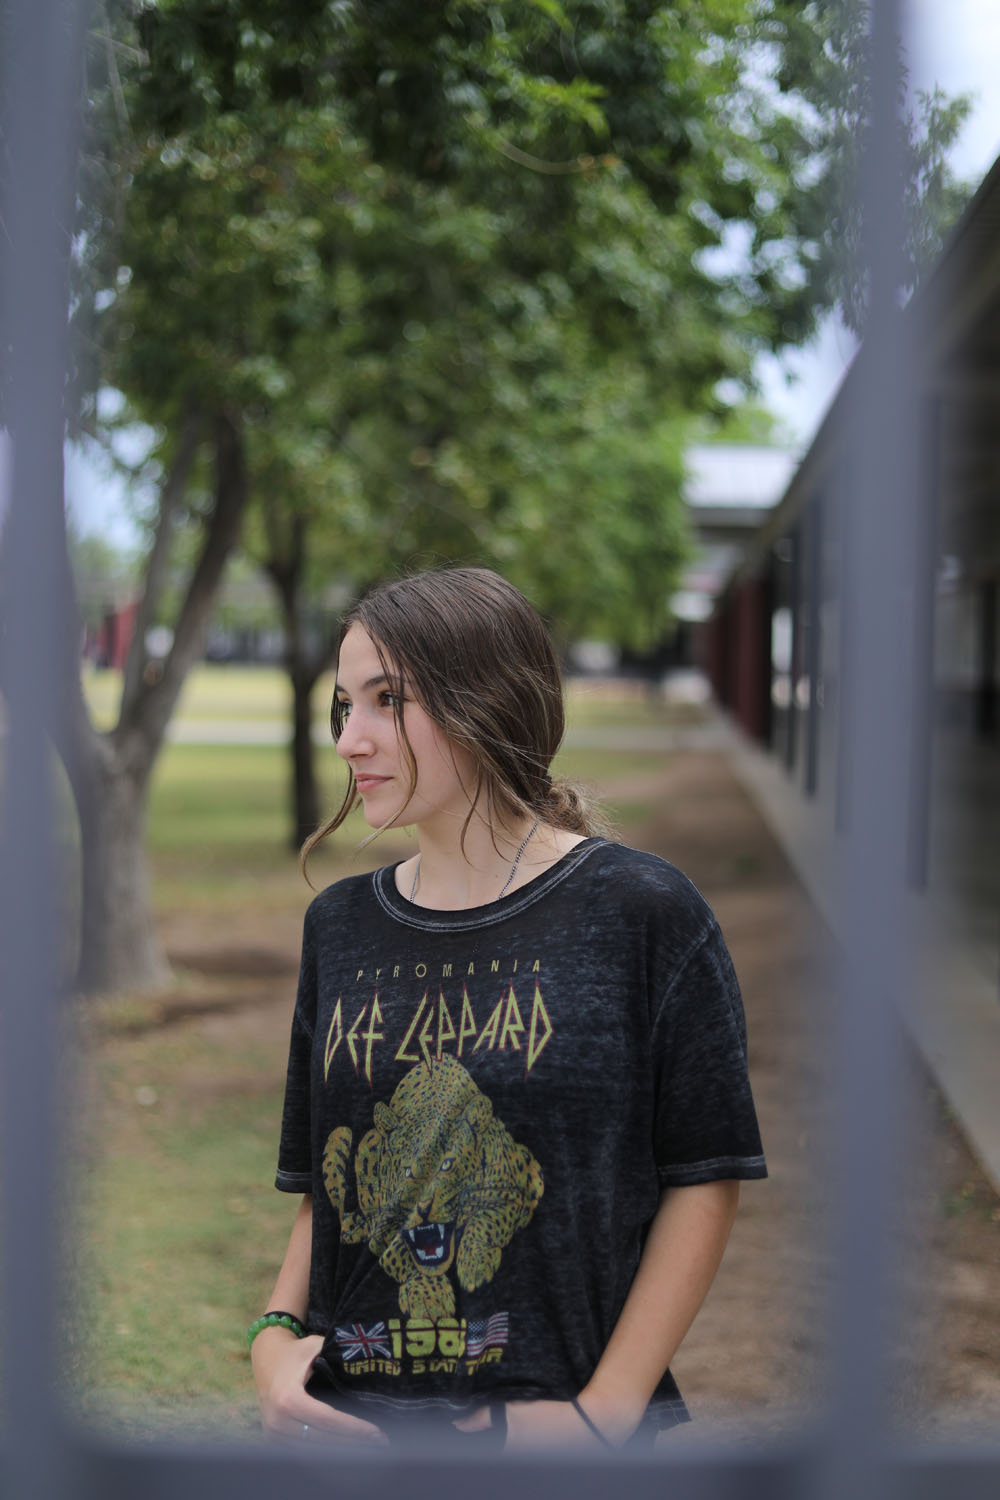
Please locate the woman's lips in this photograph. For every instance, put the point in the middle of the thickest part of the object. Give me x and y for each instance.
(368, 783)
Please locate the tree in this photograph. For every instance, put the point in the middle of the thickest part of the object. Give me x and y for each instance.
(187, 295)
(732, 153)
(498, 294)
(450, 224)
(211, 247)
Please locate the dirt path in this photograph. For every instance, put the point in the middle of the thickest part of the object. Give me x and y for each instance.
(755, 1358)
(759, 1341)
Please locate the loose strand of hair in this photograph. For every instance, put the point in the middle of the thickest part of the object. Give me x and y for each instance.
(330, 826)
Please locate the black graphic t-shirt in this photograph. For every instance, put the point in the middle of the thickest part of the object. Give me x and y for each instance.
(486, 1106)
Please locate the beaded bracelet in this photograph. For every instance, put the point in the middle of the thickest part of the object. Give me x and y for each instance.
(275, 1320)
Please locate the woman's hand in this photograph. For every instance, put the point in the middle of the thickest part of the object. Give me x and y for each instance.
(532, 1425)
(535, 1425)
(282, 1365)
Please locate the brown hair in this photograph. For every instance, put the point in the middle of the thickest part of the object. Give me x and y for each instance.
(480, 661)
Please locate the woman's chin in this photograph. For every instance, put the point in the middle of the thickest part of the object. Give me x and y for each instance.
(380, 819)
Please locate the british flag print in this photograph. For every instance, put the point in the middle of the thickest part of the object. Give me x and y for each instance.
(358, 1342)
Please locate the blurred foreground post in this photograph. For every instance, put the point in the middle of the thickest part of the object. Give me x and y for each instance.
(41, 95)
(878, 499)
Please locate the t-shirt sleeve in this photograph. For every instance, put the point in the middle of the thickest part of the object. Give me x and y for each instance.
(705, 1122)
(294, 1174)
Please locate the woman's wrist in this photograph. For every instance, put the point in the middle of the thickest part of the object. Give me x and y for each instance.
(615, 1413)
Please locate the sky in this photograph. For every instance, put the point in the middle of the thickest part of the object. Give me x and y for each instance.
(953, 43)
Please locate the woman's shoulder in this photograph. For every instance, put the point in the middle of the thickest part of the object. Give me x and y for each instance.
(644, 870)
(343, 896)
(650, 884)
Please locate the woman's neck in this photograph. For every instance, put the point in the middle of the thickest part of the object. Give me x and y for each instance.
(446, 876)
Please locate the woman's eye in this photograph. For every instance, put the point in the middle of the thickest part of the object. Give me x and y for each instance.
(389, 700)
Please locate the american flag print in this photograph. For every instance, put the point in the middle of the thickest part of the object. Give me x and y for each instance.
(358, 1342)
(484, 1332)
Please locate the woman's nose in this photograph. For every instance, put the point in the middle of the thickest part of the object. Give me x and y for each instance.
(353, 739)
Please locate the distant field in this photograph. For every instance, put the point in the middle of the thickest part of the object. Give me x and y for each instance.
(264, 694)
(214, 692)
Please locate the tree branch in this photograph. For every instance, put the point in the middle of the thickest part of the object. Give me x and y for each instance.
(149, 713)
(159, 556)
(538, 164)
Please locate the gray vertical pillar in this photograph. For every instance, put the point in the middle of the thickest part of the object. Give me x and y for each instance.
(766, 686)
(878, 597)
(812, 608)
(42, 87)
(926, 537)
(839, 517)
(795, 644)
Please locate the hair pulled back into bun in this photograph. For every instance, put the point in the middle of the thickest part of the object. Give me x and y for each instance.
(480, 661)
(566, 804)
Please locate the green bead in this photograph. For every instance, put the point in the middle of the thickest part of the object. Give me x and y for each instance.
(275, 1320)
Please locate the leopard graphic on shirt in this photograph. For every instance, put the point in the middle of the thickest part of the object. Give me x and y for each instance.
(442, 1186)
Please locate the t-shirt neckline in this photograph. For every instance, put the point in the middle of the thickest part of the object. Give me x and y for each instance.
(430, 919)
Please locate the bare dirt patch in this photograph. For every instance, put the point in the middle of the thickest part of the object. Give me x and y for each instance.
(246, 963)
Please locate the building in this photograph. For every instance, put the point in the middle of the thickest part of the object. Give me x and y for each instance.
(776, 639)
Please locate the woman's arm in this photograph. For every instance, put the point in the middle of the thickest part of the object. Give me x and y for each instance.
(682, 1253)
(679, 1261)
(282, 1363)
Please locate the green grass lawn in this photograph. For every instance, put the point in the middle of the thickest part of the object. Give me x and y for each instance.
(181, 1231)
(215, 692)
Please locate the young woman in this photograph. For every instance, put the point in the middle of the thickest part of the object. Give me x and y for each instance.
(517, 1107)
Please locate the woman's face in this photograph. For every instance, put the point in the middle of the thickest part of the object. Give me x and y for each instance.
(370, 744)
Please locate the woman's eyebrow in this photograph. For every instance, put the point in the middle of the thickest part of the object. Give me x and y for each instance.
(372, 682)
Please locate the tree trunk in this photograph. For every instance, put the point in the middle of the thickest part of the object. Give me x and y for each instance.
(286, 566)
(118, 945)
(305, 789)
(110, 774)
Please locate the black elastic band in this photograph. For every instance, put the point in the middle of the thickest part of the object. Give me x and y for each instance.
(599, 1435)
(498, 1420)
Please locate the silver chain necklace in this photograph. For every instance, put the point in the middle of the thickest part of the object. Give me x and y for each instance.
(513, 869)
